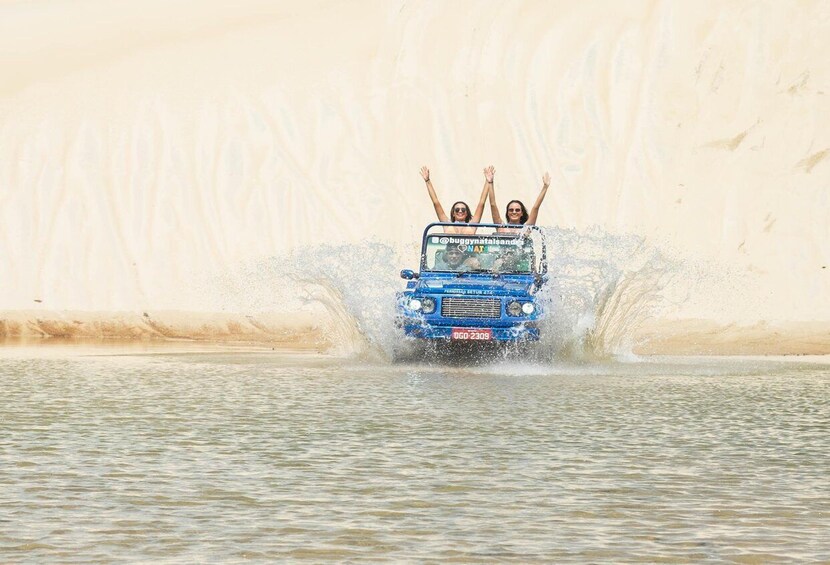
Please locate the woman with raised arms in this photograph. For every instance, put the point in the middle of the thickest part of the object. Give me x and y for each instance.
(516, 213)
(460, 211)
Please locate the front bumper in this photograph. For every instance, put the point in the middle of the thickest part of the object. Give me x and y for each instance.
(522, 331)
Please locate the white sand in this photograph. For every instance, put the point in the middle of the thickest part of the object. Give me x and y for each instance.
(150, 149)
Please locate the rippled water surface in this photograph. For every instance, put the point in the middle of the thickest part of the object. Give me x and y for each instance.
(233, 456)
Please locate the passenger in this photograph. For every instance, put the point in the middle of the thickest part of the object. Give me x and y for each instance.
(516, 213)
(455, 258)
(511, 259)
(460, 210)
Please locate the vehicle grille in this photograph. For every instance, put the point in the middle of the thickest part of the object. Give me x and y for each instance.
(471, 308)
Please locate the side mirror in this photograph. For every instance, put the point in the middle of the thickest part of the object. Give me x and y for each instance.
(409, 274)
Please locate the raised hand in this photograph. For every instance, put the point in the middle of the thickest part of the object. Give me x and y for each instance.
(489, 173)
(546, 180)
(425, 173)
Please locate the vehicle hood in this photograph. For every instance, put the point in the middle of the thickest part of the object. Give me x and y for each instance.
(475, 286)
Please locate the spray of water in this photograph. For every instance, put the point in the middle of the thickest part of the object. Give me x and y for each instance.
(347, 290)
(601, 288)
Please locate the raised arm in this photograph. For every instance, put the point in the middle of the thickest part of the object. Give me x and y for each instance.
(439, 210)
(489, 174)
(534, 212)
(488, 182)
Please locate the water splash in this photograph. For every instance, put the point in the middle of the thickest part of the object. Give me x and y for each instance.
(355, 284)
(609, 295)
(602, 287)
(348, 291)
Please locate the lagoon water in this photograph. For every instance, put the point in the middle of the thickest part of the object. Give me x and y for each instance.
(228, 455)
(247, 172)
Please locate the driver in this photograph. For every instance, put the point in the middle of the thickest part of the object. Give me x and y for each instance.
(456, 258)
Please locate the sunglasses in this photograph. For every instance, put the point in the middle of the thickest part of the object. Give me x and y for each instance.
(460, 210)
(514, 209)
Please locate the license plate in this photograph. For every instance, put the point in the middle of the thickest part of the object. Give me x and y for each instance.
(472, 334)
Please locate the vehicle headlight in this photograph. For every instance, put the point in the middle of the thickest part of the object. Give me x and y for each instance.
(514, 309)
(428, 305)
(415, 304)
(528, 308)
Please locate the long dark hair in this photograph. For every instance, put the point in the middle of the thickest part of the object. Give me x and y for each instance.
(469, 214)
(525, 215)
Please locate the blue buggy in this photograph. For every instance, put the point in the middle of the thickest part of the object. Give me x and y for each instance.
(475, 287)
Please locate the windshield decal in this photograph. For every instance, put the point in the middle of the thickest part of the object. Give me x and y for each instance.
(468, 241)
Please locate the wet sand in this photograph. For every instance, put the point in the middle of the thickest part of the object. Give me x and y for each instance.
(299, 332)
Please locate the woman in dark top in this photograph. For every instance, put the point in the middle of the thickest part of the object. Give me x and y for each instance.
(516, 213)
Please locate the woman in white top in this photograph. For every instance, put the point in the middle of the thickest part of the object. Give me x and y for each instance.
(460, 211)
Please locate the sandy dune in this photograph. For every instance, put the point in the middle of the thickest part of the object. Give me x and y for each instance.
(151, 154)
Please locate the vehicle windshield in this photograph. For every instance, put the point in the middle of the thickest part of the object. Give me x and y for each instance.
(489, 253)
